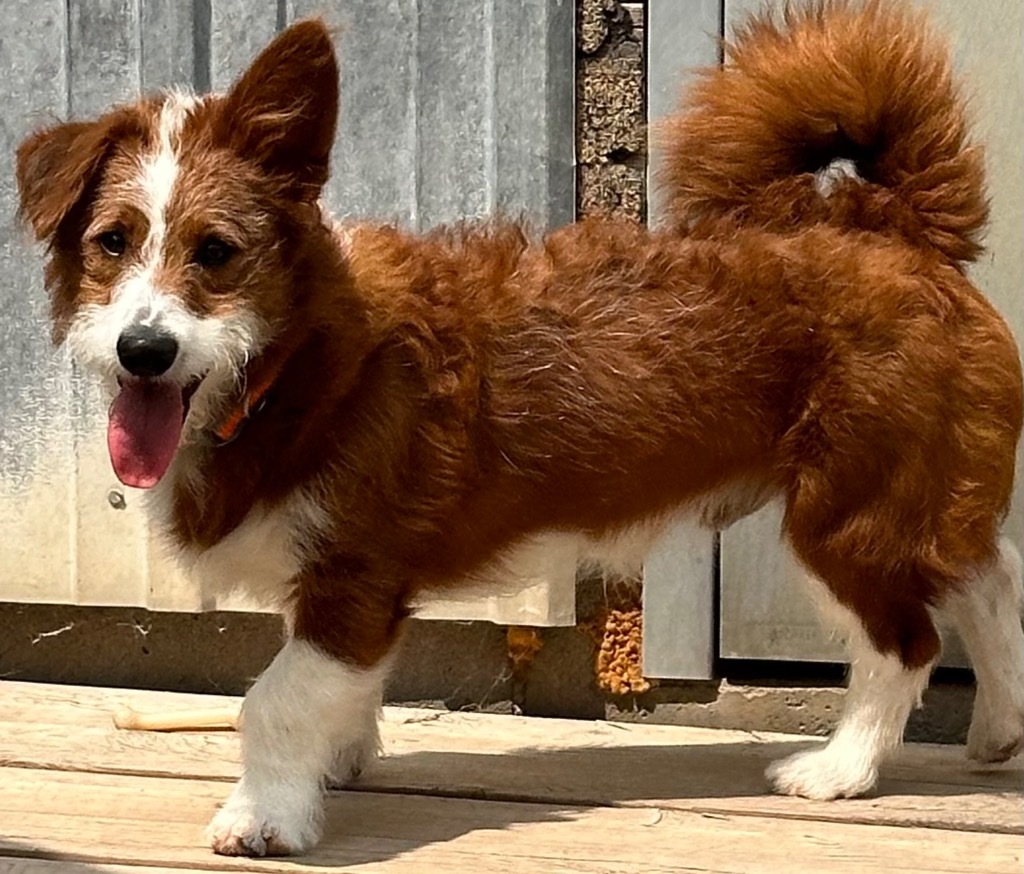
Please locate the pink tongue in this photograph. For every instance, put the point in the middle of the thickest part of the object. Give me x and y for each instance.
(145, 426)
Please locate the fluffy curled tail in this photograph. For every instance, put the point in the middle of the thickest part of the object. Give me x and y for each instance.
(860, 81)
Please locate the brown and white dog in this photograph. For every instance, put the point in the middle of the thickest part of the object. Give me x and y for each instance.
(340, 418)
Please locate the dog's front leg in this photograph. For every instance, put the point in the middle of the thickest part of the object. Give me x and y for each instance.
(312, 713)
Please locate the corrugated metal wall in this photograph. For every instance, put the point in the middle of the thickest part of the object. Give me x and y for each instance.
(449, 111)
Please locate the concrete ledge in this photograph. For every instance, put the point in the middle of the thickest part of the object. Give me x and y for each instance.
(446, 665)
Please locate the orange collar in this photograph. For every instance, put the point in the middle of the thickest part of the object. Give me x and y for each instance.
(251, 402)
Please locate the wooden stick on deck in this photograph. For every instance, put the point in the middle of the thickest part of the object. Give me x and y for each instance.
(225, 716)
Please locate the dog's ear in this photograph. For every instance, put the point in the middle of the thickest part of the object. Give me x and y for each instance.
(282, 112)
(55, 167)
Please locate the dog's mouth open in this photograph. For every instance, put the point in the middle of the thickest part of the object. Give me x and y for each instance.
(144, 431)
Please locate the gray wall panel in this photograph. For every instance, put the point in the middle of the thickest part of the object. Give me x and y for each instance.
(170, 33)
(679, 574)
(36, 440)
(238, 30)
(682, 38)
(533, 57)
(374, 163)
(455, 111)
(104, 50)
(35, 93)
(452, 110)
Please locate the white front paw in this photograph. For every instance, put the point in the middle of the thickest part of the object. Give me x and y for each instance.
(823, 774)
(275, 823)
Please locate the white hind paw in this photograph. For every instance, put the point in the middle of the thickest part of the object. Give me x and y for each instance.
(823, 774)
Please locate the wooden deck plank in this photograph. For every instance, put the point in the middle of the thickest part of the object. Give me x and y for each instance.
(119, 819)
(11, 865)
(511, 758)
(93, 706)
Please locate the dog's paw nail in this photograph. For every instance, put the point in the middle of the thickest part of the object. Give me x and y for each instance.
(352, 761)
(991, 752)
(995, 737)
(245, 833)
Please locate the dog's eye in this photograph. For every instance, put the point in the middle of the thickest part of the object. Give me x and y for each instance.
(113, 243)
(213, 252)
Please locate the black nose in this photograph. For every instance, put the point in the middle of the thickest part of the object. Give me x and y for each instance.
(145, 351)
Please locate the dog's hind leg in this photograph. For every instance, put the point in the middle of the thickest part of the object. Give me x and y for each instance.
(986, 613)
(883, 689)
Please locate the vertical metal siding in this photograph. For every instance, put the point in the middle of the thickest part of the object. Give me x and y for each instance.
(36, 439)
(679, 574)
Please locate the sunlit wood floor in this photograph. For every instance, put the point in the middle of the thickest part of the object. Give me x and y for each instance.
(462, 792)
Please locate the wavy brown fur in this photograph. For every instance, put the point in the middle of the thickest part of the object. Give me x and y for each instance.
(836, 79)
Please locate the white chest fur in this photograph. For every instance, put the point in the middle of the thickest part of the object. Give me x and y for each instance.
(259, 559)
